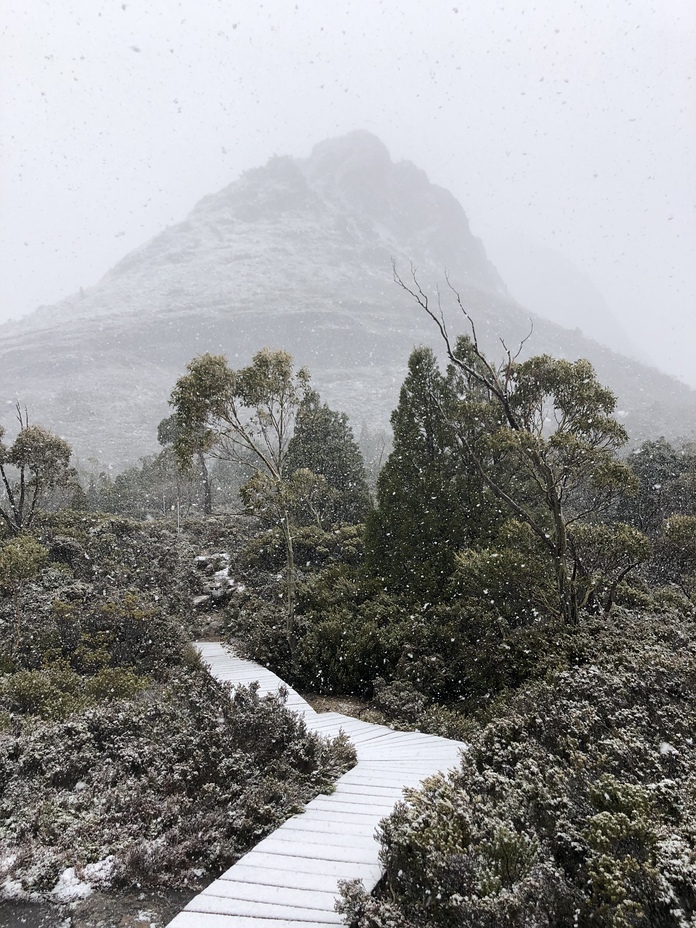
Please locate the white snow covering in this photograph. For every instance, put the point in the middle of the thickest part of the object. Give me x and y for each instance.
(70, 887)
(12, 889)
(102, 871)
(7, 862)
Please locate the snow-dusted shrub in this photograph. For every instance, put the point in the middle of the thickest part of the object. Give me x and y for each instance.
(173, 785)
(57, 690)
(574, 806)
(314, 548)
(399, 700)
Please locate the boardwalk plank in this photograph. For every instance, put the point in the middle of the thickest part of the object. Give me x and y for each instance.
(270, 877)
(367, 851)
(257, 892)
(308, 836)
(289, 880)
(362, 818)
(327, 826)
(328, 869)
(219, 905)
(344, 803)
(200, 920)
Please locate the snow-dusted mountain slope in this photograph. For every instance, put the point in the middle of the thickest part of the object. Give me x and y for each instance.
(296, 254)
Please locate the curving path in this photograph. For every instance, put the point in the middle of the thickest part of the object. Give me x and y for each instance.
(289, 879)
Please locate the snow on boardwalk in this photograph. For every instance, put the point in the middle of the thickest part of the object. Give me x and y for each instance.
(289, 879)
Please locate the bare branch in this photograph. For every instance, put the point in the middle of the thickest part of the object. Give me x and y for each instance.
(525, 339)
(422, 299)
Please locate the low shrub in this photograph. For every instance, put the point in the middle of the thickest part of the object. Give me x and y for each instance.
(57, 691)
(314, 548)
(573, 806)
(172, 785)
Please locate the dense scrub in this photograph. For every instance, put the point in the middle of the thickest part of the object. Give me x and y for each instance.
(166, 788)
(569, 667)
(122, 763)
(575, 805)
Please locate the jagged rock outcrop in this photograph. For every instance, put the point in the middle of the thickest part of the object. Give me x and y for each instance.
(296, 254)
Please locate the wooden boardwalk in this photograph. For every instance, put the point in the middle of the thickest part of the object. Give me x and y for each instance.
(289, 879)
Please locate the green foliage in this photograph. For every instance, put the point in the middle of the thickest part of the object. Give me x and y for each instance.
(512, 578)
(399, 700)
(606, 554)
(172, 786)
(59, 691)
(348, 633)
(153, 490)
(35, 465)
(168, 432)
(302, 496)
(541, 436)
(21, 560)
(533, 440)
(119, 632)
(574, 805)
(675, 558)
(105, 714)
(558, 427)
(256, 627)
(314, 548)
(243, 415)
(666, 485)
(429, 503)
(323, 444)
(246, 416)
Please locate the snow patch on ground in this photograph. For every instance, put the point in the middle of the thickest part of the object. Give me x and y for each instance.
(102, 872)
(13, 889)
(70, 887)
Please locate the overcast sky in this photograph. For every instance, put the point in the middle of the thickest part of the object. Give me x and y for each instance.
(571, 122)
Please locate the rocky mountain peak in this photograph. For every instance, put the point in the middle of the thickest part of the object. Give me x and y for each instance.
(353, 170)
(356, 173)
(295, 254)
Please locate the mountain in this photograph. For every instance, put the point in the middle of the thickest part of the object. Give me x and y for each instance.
(296, 254)
(549, 284)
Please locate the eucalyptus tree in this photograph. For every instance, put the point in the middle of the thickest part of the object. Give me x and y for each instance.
(246, 416)
(167, 433)
(551, 422)
(37, 463)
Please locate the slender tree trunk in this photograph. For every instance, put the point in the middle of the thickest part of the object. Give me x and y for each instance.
(18, 618)
(567, 593)
(207, 488)
(290, 591)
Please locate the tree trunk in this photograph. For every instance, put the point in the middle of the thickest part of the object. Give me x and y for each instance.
(207, 488)
(567, 593)
(18, 618)
(290, 588)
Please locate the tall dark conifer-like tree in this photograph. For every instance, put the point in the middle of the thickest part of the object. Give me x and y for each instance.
(323, 443)
(426, 498)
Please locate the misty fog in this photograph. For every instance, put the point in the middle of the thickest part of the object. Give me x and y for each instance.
(567, 127)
